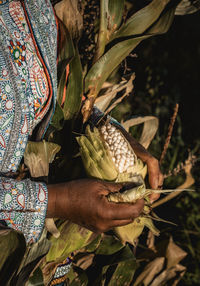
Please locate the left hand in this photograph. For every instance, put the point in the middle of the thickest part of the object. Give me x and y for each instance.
(154, 172)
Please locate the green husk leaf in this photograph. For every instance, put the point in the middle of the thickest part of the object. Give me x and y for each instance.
(129, 233)
(96, 159)
(74, 89)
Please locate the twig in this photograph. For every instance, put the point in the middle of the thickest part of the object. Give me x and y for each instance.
(170, 129)
(188, 183)
(181, 167)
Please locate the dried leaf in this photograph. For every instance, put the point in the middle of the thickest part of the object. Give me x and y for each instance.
(128, 90)
(151, 240)
(149, 130)
(150, 271)
(174, 254)
(85, 261)
(38, 155)
(168, 274)
(51, 227)
(68, 13)
(103, 101)
(187, 7)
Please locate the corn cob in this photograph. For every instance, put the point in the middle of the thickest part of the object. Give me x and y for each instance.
(107, 155)
(121, 152)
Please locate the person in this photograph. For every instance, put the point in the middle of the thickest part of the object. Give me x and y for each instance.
(28, 57)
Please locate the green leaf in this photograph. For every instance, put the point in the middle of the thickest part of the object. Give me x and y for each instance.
(109, 245)
(102, 36)
(66, 53)
(36, 278)
(94, 244)
(139, 22)
(58, 117)
(72, 237)
(124, 273)
(81, 278)
(121, 255)
(101, 70)
(116, 9)
(100, 264)
(13, 246)
(74, 90)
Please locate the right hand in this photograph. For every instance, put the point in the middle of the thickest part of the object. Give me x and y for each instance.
(84, 202)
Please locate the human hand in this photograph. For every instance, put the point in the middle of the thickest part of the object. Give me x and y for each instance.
(85, 202)
(154, 173)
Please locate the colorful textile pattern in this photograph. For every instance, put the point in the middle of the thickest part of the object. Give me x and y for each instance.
(61, 272)
(28, 75)
(28, 52)
(23, 206)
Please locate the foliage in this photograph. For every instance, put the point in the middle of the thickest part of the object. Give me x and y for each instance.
(115, 37)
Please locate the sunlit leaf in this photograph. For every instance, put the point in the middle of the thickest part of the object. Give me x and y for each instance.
(142, 20)
(149, 129)
(65, 53)
(74, 89)
(101, 70)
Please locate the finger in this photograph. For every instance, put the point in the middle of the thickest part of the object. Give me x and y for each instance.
(160, 180)
(121, 211)
(155, 175)
(153, 197)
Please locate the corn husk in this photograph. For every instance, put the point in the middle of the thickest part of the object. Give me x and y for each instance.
(98, 162)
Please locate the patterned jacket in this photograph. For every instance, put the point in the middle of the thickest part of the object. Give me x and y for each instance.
(28, 52)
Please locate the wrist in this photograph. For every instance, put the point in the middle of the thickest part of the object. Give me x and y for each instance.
(58, 200)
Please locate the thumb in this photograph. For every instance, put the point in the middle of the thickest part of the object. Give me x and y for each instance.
(113, 187)
(116, 187)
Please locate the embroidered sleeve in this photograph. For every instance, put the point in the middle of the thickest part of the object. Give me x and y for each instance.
(23, 206)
